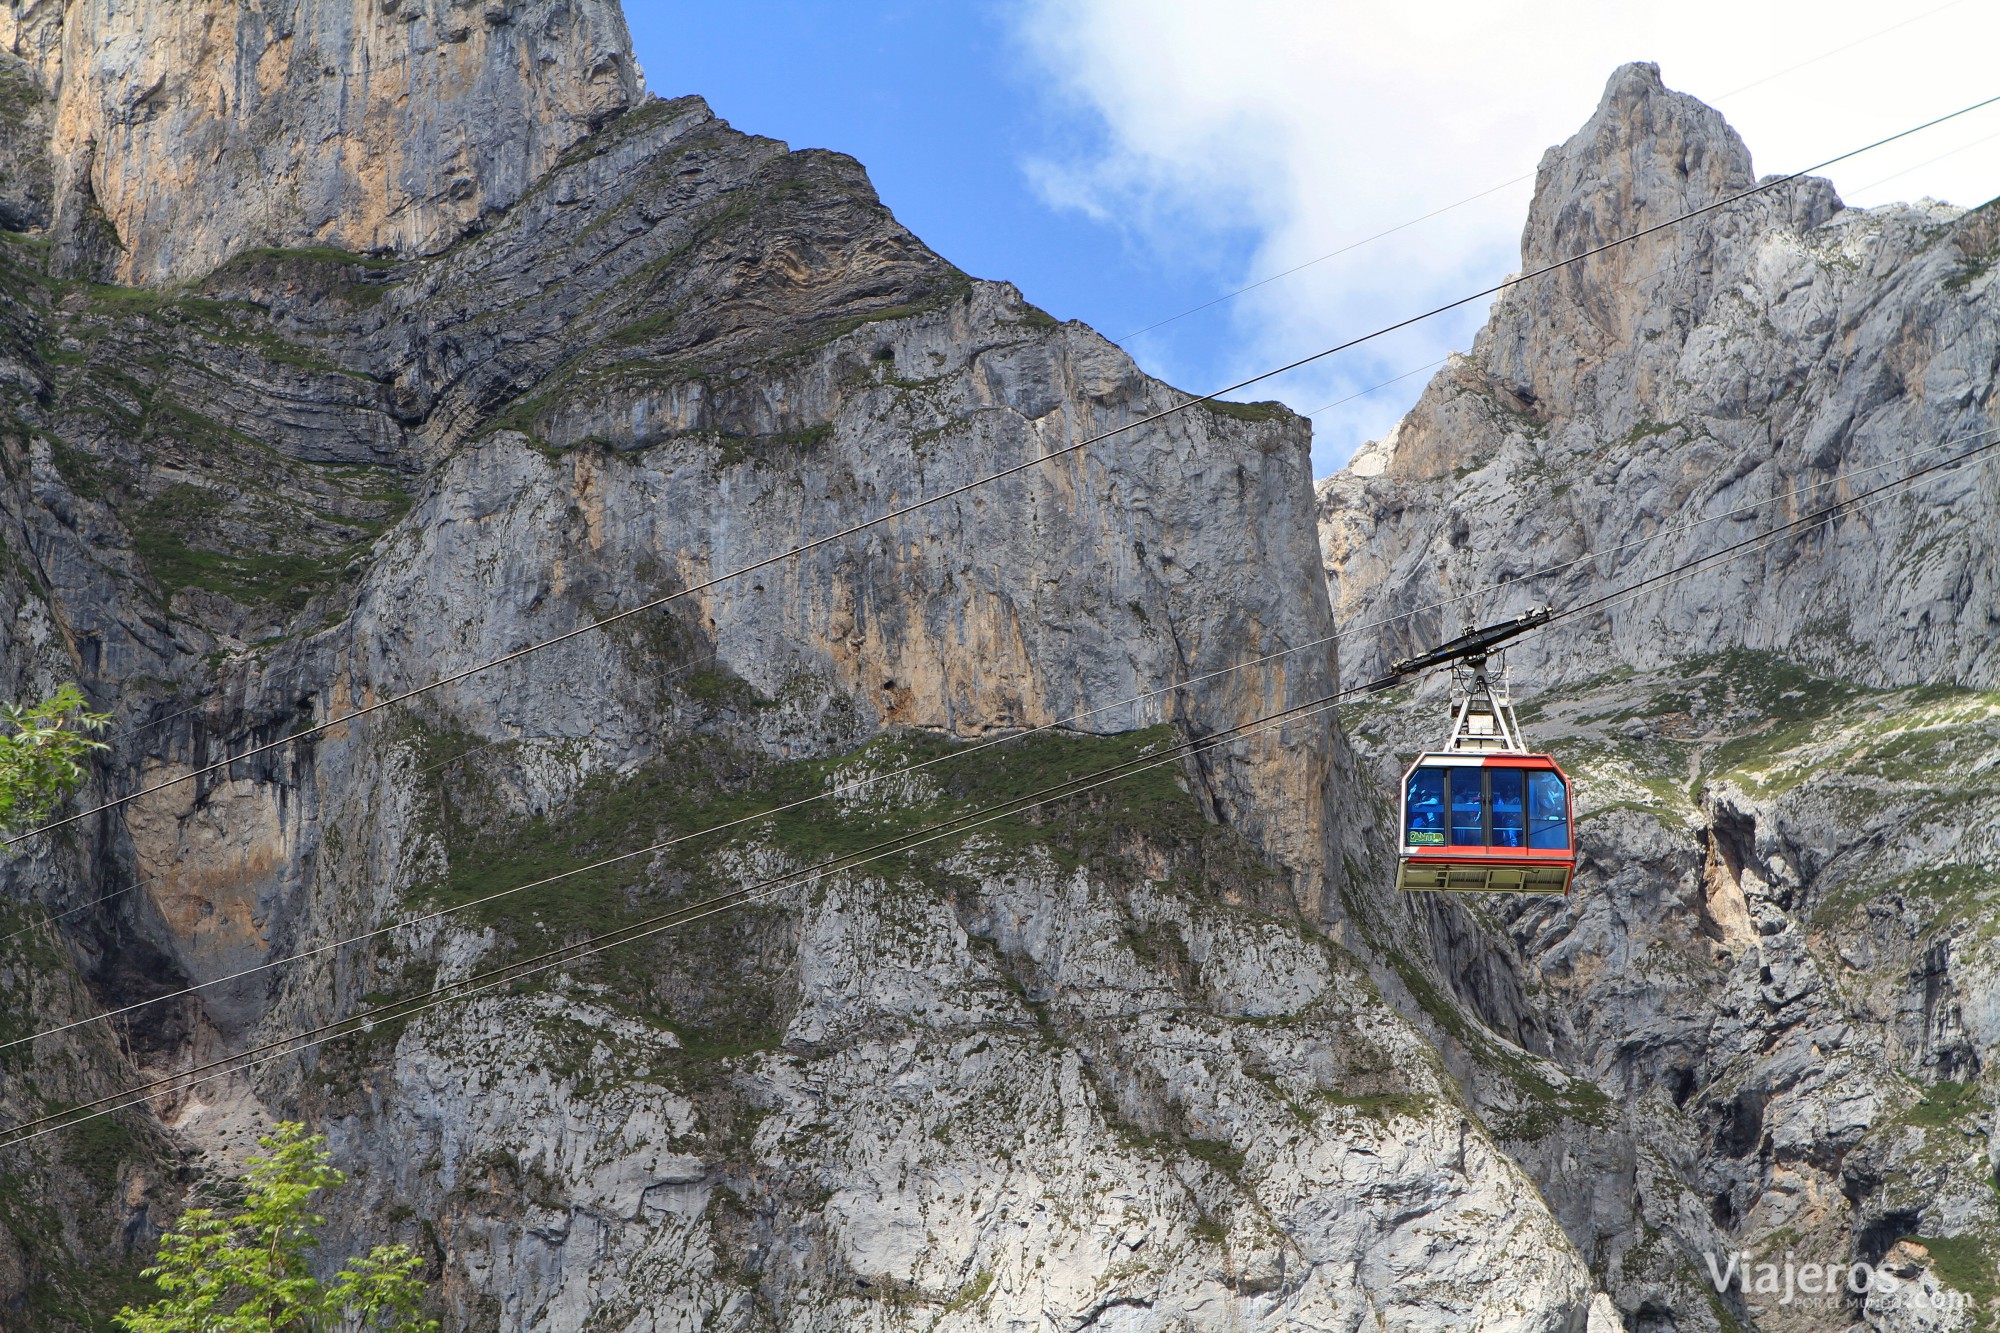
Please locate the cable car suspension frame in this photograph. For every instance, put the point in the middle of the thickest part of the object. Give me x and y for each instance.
(1483, 814)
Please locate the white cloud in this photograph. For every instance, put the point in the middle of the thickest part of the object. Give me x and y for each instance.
(1314, 124)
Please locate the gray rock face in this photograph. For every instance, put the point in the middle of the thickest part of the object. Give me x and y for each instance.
(1125, 1063)
(1166, 1055)
(1780, 959)
(27, 183)
(1775, 356)
(391, 126)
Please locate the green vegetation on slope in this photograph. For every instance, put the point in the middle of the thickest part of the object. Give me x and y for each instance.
(719, 983)
(704, 783)
(150, 412)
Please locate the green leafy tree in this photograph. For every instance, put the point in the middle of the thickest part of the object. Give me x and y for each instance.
(248, 1273)
(42, 761)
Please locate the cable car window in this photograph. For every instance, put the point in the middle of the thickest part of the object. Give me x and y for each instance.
(1468, 808)
(1426, 802)
(1509, 829)
(1548, 812)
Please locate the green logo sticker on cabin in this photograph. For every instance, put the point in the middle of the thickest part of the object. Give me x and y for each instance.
(1427, 837)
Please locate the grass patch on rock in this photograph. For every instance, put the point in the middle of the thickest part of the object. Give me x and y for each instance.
(703, 783)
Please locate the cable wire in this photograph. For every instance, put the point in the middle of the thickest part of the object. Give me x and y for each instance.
(1823, 514)
(1762, 187)
(1331, 254)
(49, 919)
(465, 988)
(138, 727)
(1495, 189)
(507, 973)
(1689, 526)
(1363, 393)
(1825, 55)
(860, 784)
(1929, 161)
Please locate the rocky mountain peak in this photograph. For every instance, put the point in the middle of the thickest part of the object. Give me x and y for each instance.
(1646, 156)
(180, 135)
(1758, 350)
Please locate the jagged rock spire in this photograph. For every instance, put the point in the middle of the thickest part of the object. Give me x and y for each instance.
(1646, 156)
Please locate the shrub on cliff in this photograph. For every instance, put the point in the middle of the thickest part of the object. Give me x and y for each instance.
(249, 1273)
(42, 761)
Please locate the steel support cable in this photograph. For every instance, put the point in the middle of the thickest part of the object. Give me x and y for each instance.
(507, 973)
(1689, 526)
(1929, 161)
(138, 727)
(603, 863)
(915, 506)
(1331, 254)
(860, 784)
(49, 919)
(1077, 717)
(1363, 393)
(1825, 513)
(1798, 527)
(483, 983)
(1849, 46)
(687, 913)
(1681, 574)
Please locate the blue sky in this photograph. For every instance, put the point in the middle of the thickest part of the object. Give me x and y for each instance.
(1124, 160)
(944, 107)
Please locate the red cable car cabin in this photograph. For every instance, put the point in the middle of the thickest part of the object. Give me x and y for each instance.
(1483, 814)
(1486, 822)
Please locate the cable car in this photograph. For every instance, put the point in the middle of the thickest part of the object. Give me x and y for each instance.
(1484, 814)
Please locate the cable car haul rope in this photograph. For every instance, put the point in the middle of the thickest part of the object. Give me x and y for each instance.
(1481, 814)
(1556, 266)
(1463, 650)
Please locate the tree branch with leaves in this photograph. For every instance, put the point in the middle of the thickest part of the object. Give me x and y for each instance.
(251, 1272)
(42, 758)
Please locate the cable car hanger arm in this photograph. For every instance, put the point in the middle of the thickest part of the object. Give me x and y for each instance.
(1470, 647)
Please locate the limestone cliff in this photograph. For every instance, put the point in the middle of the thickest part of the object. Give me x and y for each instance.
(1781, 959)
(1757, 353)
(195, 131)
(1129, 1063)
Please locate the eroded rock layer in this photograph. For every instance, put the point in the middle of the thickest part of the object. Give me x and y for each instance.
(186, 133)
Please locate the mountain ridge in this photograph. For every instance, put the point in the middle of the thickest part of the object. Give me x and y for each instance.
(1171, 1055)
(1777, 965)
